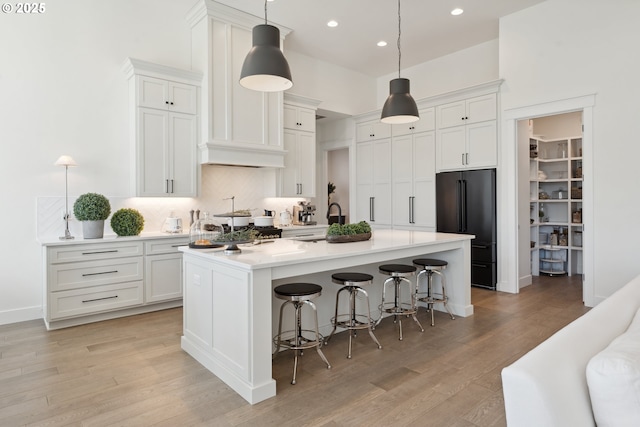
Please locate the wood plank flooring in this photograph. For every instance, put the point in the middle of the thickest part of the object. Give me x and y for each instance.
(132, 372)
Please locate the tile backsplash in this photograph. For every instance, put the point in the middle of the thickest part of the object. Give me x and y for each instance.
(252, 188)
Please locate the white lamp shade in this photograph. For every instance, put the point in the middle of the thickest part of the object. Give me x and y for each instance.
(65, 161)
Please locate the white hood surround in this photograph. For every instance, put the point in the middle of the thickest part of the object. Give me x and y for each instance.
(238, 126)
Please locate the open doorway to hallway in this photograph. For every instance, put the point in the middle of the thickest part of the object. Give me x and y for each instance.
(338, 184)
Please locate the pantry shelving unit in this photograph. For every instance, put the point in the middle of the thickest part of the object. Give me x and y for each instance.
(555, 190)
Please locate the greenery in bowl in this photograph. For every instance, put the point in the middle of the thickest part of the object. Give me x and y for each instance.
(336, 229)
(127, 222)
(91, 207)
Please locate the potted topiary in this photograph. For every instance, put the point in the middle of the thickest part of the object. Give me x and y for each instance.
(127, 222)
(344, 233)
(92, 209)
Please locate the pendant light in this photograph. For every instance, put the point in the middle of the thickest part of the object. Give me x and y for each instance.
(265, 68)
(399, 107)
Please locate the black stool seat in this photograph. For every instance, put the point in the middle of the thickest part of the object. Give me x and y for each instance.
(397, 269)
(297, 290)
(430, 262)
(351, 278)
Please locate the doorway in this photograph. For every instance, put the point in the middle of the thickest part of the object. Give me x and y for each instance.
(550, 197)
(513, 225)
(338, 184)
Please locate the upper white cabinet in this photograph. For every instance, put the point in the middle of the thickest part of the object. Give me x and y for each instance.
(467, 111)
(414, 174)
(426, 123)
(372, 130)
(468, 147)
(299, 118)
(298, 177)
(166, 95)
(164, 129)
(239, 126)
(467, 136)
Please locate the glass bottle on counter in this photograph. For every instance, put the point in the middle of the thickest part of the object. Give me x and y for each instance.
(204, 232)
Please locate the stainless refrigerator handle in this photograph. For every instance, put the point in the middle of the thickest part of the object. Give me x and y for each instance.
(459, 204)
(464, 205)
(371, 209)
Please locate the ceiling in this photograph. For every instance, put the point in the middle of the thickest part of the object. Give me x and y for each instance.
(428, 29)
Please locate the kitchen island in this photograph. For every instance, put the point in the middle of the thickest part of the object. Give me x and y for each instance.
(229, 305)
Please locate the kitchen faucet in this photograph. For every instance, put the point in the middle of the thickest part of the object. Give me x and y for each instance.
(339, 211)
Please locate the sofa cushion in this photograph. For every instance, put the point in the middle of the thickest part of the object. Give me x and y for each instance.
(613, 377)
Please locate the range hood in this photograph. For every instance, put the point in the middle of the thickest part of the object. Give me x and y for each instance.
(238, 126)
(239, 154)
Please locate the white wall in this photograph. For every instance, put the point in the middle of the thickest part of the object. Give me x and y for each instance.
(340, 90)
(64, 92)
(468, 67)
(567, 48)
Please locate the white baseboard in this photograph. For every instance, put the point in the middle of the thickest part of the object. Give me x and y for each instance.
(20, 315)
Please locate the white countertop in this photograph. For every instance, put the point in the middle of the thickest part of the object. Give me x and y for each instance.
(288, 252)
(111, 238)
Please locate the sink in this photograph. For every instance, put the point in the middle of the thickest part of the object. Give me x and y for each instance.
(310, 238)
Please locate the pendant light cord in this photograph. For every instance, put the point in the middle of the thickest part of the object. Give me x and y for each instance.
(399, 33)
(265, 12)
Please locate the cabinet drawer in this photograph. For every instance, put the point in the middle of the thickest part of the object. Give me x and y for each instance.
(79, 302)
(96, 251)
(164, 246)
(94, 273)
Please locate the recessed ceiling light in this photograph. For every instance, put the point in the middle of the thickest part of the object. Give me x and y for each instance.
(457, 11)
(382, 43)
(332, 23)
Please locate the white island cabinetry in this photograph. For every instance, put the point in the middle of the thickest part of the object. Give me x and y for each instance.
(220, 287)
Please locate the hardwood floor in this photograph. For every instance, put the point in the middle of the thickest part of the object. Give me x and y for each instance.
(132, 372)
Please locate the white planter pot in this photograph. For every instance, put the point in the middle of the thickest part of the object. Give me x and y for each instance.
(93, 229)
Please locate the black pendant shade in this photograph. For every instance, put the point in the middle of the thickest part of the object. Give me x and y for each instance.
(400, 106)
(265, 68)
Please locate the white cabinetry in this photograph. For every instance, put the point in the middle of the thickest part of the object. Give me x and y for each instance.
(373, 182)
(467, 135)
(372, 130)
(426, 123)
(163, 269)
(298, 177)
(414, 172)
(166, 95)
(87, 282)
(164, 124)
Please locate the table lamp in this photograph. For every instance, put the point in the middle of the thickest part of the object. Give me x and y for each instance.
(66, 161)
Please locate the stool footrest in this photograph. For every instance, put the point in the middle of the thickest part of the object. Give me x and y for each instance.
(305, 343)
(344, 321)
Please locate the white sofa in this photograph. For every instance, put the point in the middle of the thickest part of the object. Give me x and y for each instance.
(548, 386)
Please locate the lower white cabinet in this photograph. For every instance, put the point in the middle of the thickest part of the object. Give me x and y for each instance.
(87, 282)
(163, 271)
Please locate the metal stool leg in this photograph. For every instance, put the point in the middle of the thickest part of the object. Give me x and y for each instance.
(315, 316)
(445, 298)
(414, 306)
(369, 324)
(335, 318)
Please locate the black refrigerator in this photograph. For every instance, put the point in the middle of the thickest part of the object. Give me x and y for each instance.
(466, 203)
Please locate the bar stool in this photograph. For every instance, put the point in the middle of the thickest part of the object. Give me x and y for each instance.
(430, 267)
(298, 294)
(399, 274)
(352, 321)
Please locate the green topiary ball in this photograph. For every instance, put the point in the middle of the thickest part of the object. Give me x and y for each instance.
(91, 207)
(127, 222)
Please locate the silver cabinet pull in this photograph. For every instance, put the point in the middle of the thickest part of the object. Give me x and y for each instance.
(462, 159)
(166, 186)
(411, 213)
(99, 299)
(102, 272)
(100, 252)
(466, 158)
(172, 186)
(371, 209)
